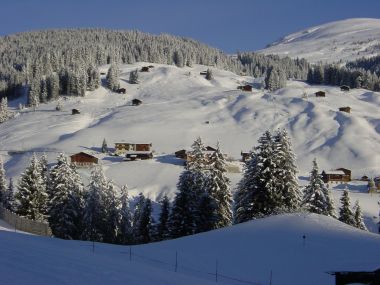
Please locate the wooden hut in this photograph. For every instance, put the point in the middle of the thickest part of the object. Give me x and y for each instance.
(121, 91)
(344, 88)
(181, 154)
(203, 72)
(83, 159)
(136, 102)
(339, 175)
(75, 112)
(320, 94)
(245, 156)
(246, 87)
(144, 69)
(345, 109)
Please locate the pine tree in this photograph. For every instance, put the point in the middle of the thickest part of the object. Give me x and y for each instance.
(113, 217)
(317, 197)
(125, 222)
(358, 217)
(44, 91)
(104, 146)
(3, 183)
(9, 202)
(345, 212)
(4, 113)
(138, 209)
(209, 74)
(207, 211)
(31, 195)
(65, 205)
(162, 228)
(113, 78)
(142, 220)
(134, 77)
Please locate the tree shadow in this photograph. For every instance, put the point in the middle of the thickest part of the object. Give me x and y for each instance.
(170, 159)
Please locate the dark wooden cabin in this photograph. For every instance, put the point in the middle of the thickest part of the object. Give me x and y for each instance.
(339, 175)
(247, 88)
(75, 112)
(151, 66)
(102, 73)
(144, 69)
(181, 154)
(320, 94)
(345, 109)
(203, 72)
(245, 156)
(121, 91)
(344, 88)
(136, 102)
(83, 159)
(361, 277)
(138, 155)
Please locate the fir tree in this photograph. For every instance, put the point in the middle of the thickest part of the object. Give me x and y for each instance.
(137, 213)
(317, 197)
(9, 202)
(207, 211)
(31, 195)
(3, 183)
(345, 212)
(358, 217)
(104, 146)
(145, 224)
(125, 222)
(162, 228)
(113, 78)
(134, 77)
(112, 208)
(4, 113)
(209, 74)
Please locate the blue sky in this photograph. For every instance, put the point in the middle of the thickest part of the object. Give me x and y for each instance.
(230, 25)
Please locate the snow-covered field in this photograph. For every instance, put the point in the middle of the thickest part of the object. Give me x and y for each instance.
(176, 104)
(341, 40)
(248, 252)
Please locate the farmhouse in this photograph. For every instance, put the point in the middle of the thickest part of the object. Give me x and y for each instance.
(247, 88)
(136, 102)
(320, 94)
(144, 69)
(83, 159)
(344, 88)
(75, 112)
(121, 91)
(338, 175)
(123, 148)
(345, 109)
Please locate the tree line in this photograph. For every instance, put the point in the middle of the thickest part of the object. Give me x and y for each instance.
(203, 200)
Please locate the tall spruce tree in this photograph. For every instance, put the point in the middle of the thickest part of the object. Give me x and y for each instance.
(31, 195)
(66, 200)
(113, 77)
(3, 183)
(125, 222)
(162, 227)
(209, 74)
(137, 212)
(358, 217)
(112, 207)
(345, 213)
(317, 197)
(104, 146)
(134, 77)
(9, 201)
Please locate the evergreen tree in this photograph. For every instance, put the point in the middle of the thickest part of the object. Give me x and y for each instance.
(162, 228)
(4, 112)
(137, 213)
(3, 183)
(104, 146)
(44, 91)
(113, 218)
(345, 212)
(125, 222)
(9, 202)
(209, 74)
(207, 211)
(113, 78)
(31, 195)
(146, 223)
(316, 195)
(53, 86)
(134, 77)
(318, 77)
(358, 217)
(65, 205)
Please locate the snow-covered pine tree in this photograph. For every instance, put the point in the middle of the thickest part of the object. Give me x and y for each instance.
(134, 77)
(3, 183)
(104, 146)
(218, 188)
(112, 207)
(145, 224)
(113, 77)
(9, 202)
(31, 195)
(44, 169)
(209, 74)
(125, 222)
(207, 211)
(53, 86)
(65, 205)
(95, 212)
(286, 173)
(358, 217)
(4, 112)
(162, 227)
(317, 197)
(345, 213)
(44, 91)
(138, 209)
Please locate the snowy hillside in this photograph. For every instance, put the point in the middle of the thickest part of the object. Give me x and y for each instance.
(247, 252)
(341, 40)
(177, 103)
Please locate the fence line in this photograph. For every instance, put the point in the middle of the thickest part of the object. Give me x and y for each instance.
(25, 224)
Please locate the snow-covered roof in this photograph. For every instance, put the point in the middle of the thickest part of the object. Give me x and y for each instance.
(338, 172)
(137, 152)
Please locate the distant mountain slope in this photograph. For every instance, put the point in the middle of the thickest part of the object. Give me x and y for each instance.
(341, 40)
(247, 253)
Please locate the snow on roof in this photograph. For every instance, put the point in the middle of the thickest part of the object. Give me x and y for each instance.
(137, 152)
(338, 172)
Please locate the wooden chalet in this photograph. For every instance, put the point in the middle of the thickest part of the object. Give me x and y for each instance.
(75, 112)
(246, 87)
(345, 109)
(82, 159)
(123, 148)
(136, 102)
(364, 178)
(203, 72)
(121, 91)
(344, 88)
(339, 175)
(245, 156)
(320, 94)
(181, 154)
(144, 69)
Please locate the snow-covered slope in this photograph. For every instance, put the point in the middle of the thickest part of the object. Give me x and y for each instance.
(341, 40)
(247, 252)
(176, 106)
